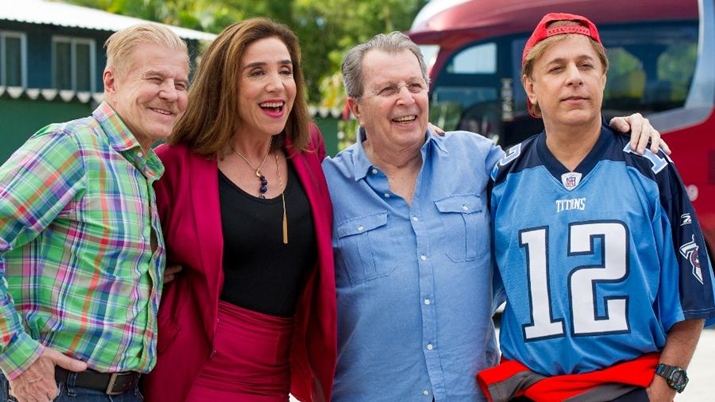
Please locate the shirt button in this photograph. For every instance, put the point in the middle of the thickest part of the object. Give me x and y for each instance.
(425, 392)
(360, 228)
(374, 171)
(429, 346)
(414, 218)
(465, 208)
(140, 154)
(428, 302)
(423, 257)
(387, 195)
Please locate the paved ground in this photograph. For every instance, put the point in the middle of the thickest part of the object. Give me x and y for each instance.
(701, 372)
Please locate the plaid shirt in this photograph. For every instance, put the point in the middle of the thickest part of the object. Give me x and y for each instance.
(77, 270)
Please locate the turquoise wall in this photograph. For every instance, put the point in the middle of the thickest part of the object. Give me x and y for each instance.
(329, 127)
(20, 118)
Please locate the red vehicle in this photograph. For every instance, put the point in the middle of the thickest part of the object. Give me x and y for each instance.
(662, 55)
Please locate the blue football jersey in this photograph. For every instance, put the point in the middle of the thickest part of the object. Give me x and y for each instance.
(598, 263)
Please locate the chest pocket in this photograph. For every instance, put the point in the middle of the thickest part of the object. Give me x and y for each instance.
(462, 220)
(363, 249)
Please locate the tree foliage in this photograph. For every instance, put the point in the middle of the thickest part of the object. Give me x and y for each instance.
(326, 28)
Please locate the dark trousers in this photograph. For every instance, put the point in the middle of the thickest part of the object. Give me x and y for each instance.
(68, 392)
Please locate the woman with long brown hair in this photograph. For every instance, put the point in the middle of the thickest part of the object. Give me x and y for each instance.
(246, 211)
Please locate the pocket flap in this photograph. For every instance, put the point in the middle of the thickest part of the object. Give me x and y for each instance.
(361, 224)
(462, 204)
(166, 336)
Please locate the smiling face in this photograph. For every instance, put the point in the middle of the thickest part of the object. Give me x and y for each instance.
(394, 106)
(567, 82)
(150, 93)
(266, 87)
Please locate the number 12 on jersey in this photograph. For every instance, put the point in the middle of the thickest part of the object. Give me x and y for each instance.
(582, 280)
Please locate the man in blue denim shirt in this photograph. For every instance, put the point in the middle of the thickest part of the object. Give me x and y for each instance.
(411, 239)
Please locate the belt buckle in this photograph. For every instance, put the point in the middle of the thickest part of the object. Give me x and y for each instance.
(113, 380)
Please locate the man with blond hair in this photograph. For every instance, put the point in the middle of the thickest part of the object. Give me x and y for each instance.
(81, 251)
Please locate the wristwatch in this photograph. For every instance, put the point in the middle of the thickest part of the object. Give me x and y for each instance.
(676, 377)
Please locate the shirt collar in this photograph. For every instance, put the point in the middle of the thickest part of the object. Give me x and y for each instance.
(119, 136)
(362, 164)
(123, 141)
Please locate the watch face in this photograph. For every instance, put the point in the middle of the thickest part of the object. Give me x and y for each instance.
(675, 376)
(678, 380)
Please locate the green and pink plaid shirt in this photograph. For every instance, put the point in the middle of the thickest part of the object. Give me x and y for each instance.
(77, 270)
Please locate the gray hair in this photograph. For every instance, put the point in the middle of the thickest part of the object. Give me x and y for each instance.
(392, 43)
(123, 42)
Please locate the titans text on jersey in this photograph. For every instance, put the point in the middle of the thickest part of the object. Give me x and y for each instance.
(573, 203)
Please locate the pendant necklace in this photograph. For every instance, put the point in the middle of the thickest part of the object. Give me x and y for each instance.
(264, 183)
(283, 197)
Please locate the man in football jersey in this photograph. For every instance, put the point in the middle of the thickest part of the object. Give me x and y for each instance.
(602, 259)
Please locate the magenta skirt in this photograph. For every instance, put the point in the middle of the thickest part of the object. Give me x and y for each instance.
(251, 359)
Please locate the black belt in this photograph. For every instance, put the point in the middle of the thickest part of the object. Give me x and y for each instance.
(109, 383)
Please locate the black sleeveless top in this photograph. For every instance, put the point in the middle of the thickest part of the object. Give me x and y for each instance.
(260, 272)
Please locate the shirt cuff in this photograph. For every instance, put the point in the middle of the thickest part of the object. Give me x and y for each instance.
(19, 355)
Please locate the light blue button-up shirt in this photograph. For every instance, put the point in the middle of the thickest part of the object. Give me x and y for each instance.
(414, 282)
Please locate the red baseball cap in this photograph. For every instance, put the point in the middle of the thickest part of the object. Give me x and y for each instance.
(542, 32)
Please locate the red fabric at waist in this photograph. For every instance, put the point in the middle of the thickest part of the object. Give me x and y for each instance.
(250, 361)
(511, 379)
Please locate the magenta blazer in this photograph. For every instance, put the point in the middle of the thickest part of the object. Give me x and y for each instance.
(188, 202)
